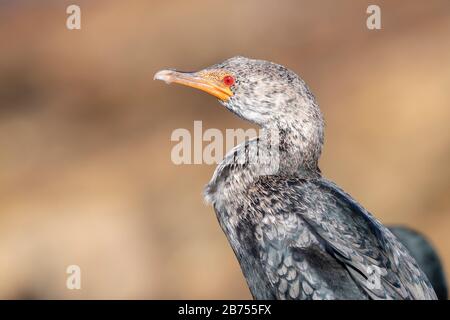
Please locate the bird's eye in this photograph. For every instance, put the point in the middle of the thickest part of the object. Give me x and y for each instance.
(228, 81)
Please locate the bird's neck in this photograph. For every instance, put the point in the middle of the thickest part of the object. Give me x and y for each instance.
(281, 150)
(299, 146)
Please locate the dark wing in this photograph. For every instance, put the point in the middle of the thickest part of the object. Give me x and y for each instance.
(377, 261)
(426, 256)
(296, 263)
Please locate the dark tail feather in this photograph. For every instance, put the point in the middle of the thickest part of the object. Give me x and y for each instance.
(426, 256)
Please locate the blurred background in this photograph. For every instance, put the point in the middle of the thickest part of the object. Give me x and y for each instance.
(85, 171)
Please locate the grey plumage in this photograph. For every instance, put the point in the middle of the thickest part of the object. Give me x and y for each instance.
(426, 257)
(297, 235)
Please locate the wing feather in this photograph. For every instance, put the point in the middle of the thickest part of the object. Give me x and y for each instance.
(377, 261)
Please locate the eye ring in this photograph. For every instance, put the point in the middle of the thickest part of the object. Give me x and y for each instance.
(228, 80)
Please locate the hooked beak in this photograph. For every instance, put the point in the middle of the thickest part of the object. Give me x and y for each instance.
(195, 80)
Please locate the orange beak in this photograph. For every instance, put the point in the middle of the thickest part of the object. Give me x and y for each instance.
(196, 80)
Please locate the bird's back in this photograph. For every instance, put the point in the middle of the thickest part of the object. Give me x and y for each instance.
(306, 239)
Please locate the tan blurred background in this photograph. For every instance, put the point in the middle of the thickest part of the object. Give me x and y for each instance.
(85, 170)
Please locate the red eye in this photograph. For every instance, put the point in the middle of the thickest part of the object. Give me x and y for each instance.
(228, 81)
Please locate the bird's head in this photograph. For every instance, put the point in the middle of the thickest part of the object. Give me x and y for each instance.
(259, 91)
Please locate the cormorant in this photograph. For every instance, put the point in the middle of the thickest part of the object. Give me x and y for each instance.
(296, 234)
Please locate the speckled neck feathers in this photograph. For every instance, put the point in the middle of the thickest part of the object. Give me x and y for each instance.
(290, 144)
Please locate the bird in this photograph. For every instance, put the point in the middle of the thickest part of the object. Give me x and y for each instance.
(296, 234)
(426, 256)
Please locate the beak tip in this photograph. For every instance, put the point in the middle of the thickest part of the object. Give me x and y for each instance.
(163, 75)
